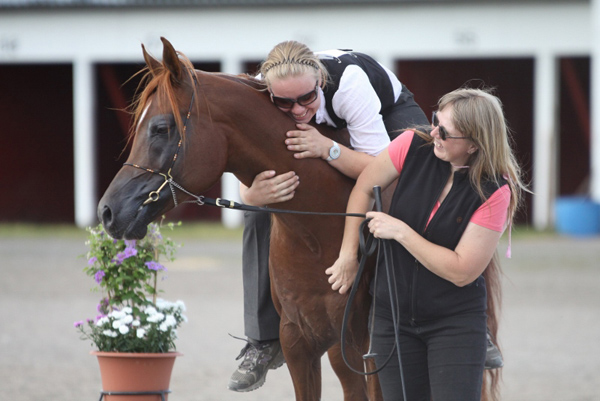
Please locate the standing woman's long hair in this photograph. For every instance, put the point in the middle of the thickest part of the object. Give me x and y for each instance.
(478, 115)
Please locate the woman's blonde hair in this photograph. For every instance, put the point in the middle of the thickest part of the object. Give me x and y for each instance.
(478, 114)
(291, 59)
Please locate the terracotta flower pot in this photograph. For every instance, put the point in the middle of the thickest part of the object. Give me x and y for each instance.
(135, 372)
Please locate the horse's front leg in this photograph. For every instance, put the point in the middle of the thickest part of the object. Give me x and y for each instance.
(353, 384)
(303, 361)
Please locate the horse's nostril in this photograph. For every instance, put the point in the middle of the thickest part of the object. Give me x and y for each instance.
(105, 215)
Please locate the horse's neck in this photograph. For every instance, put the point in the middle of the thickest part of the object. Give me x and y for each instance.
(255, 133)
(253, 127)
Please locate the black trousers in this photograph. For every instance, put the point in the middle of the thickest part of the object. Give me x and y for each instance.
(261, 321)
(441, 359)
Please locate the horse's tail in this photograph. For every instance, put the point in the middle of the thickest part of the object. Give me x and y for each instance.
(492, 275)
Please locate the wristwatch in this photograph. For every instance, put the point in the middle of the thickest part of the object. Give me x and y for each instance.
(334, 152)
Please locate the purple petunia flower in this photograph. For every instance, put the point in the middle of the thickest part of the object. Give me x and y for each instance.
(98, 276)
(152, 265)
(78, 323)
(92, 260)
(127, 253)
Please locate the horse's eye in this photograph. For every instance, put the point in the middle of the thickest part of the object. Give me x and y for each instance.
(161, 125)
(162, 129)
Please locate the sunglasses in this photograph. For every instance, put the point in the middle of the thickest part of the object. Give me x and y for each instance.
(304, 100)
(443, 133)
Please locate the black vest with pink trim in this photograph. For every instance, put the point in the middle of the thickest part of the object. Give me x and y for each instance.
(424, 295)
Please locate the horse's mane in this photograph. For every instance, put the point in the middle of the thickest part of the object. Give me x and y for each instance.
(162, 82)
(245, 79)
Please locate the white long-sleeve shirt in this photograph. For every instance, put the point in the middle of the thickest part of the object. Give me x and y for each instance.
(357, 103)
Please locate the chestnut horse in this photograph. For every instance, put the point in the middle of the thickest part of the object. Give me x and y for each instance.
(191, 126)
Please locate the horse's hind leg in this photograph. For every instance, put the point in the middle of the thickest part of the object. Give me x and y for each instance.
(353, 384)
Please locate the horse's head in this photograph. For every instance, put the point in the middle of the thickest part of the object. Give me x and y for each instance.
(166, 110)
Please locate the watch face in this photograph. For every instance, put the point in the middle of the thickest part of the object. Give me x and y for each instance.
(334, 152)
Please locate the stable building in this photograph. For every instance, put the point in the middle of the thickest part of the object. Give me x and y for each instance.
(65, 69)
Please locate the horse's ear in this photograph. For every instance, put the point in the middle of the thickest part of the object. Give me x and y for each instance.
(152, 63)
(171, 60)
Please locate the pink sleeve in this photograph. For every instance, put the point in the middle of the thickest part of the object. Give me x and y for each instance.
(492, 213)
(398, 149)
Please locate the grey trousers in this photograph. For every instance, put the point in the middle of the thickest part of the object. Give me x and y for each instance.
(261, 321)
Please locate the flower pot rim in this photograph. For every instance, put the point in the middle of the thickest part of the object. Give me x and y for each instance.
(136, 354)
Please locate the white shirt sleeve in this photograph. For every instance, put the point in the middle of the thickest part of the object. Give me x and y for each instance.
(357, 102)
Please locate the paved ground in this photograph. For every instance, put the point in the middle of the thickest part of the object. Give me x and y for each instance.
(549, 332)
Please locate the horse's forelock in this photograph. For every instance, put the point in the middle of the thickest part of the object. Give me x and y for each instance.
(160, 83)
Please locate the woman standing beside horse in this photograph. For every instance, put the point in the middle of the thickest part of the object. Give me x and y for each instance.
(458, 189)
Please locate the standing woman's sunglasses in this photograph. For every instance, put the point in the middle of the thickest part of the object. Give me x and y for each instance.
(304, 100)
(443, 133)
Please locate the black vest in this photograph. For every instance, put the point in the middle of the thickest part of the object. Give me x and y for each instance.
(424, 295)
(377, 76)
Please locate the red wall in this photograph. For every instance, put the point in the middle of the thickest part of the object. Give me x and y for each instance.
(36, 137)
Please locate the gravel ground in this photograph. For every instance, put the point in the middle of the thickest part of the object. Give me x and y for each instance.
(549, 328)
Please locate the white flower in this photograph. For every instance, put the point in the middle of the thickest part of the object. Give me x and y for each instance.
(109, 333)
(102, 321)
(127, 310)
(124, 329)
(180, 305)
(170, 320)
(157, 317)
(141, 333)
(162, 304)
(135, 323)
(163, 326)
(117, 323)
(151, 311)
(117, 314)
(127, 319)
